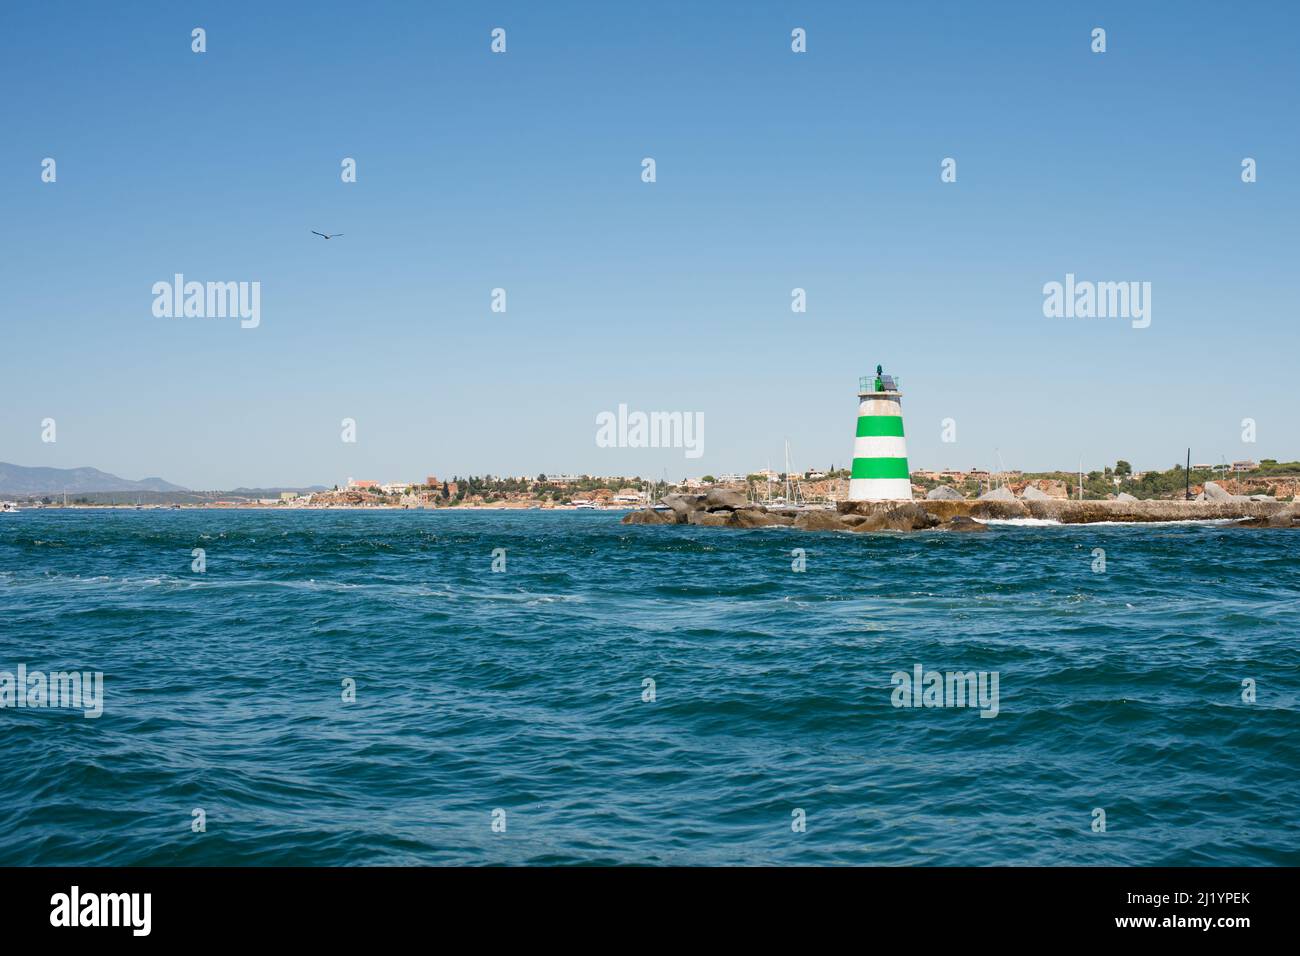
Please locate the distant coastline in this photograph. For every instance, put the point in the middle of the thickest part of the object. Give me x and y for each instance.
(1266, 479)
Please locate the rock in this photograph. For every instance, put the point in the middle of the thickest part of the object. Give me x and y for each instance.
(649, 516)
(1215, 492)
(1034, 493)
(1262, 498)
(998, 494)
(869, 523)
(905, 517)
(1124, 496)
(1013, 508)
(684, 504)
(943, 493)
(823, 521)
(1288, 517)
(754, 518)
(962, 523)
(721, 499)
(708, 519)
(944, 509)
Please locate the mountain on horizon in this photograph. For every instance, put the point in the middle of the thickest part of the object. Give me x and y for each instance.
(22, 480)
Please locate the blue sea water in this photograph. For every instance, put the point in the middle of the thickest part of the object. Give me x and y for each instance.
(522, 691)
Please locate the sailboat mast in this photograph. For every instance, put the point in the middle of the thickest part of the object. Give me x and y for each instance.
(787, 471)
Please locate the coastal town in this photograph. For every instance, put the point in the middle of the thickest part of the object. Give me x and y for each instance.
(1266, 479)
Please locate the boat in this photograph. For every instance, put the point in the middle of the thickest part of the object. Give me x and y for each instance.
(652, 493)
(9, 507)
(792, 496)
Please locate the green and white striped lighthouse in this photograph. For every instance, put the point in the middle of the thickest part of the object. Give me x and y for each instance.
(880, 451)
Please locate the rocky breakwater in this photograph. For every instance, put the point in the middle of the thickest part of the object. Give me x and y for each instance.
(730, 509)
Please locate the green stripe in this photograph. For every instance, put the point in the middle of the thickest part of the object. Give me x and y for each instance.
(870, 426)
(880, 468)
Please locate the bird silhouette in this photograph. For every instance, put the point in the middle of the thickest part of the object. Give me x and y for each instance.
(332, 235)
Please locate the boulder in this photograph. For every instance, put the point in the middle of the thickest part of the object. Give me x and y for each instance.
(998, 494)
(943, 510)
(1124, 496)
(869, 523)
(962, 523)
(708, 518)
(1216, 492)
(649, 516)
(905, 517)
(943, 493)
(1288, 517)
(823, 521)
(684, 504)
(722, 499)
(1034, 493)
(1003, 508)
(755, 518)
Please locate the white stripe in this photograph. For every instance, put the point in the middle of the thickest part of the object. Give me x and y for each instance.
(880, 489)
(880, 446)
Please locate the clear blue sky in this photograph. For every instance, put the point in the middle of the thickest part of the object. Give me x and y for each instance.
(522, 171)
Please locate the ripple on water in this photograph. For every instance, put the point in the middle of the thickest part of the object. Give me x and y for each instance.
(529, 691)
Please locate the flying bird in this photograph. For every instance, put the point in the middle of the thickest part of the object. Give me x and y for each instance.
(333, 235)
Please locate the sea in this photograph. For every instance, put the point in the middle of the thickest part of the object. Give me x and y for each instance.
(336, 688)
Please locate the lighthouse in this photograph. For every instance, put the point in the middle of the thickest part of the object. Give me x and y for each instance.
(880, 451)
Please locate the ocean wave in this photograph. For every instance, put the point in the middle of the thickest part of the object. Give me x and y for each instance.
(770, 688)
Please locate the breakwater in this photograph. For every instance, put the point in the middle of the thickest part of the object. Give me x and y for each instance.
(730, 509)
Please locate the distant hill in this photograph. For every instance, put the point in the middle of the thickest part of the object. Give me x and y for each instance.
(21, 480)
(270, 492)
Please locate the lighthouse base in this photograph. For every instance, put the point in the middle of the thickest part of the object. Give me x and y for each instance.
(880, 489)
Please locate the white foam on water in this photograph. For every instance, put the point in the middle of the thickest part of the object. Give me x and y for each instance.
(1035, 522)
(1025, 522)
(1161, 524)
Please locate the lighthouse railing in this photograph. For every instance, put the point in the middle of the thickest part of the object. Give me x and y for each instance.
(867, 383)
